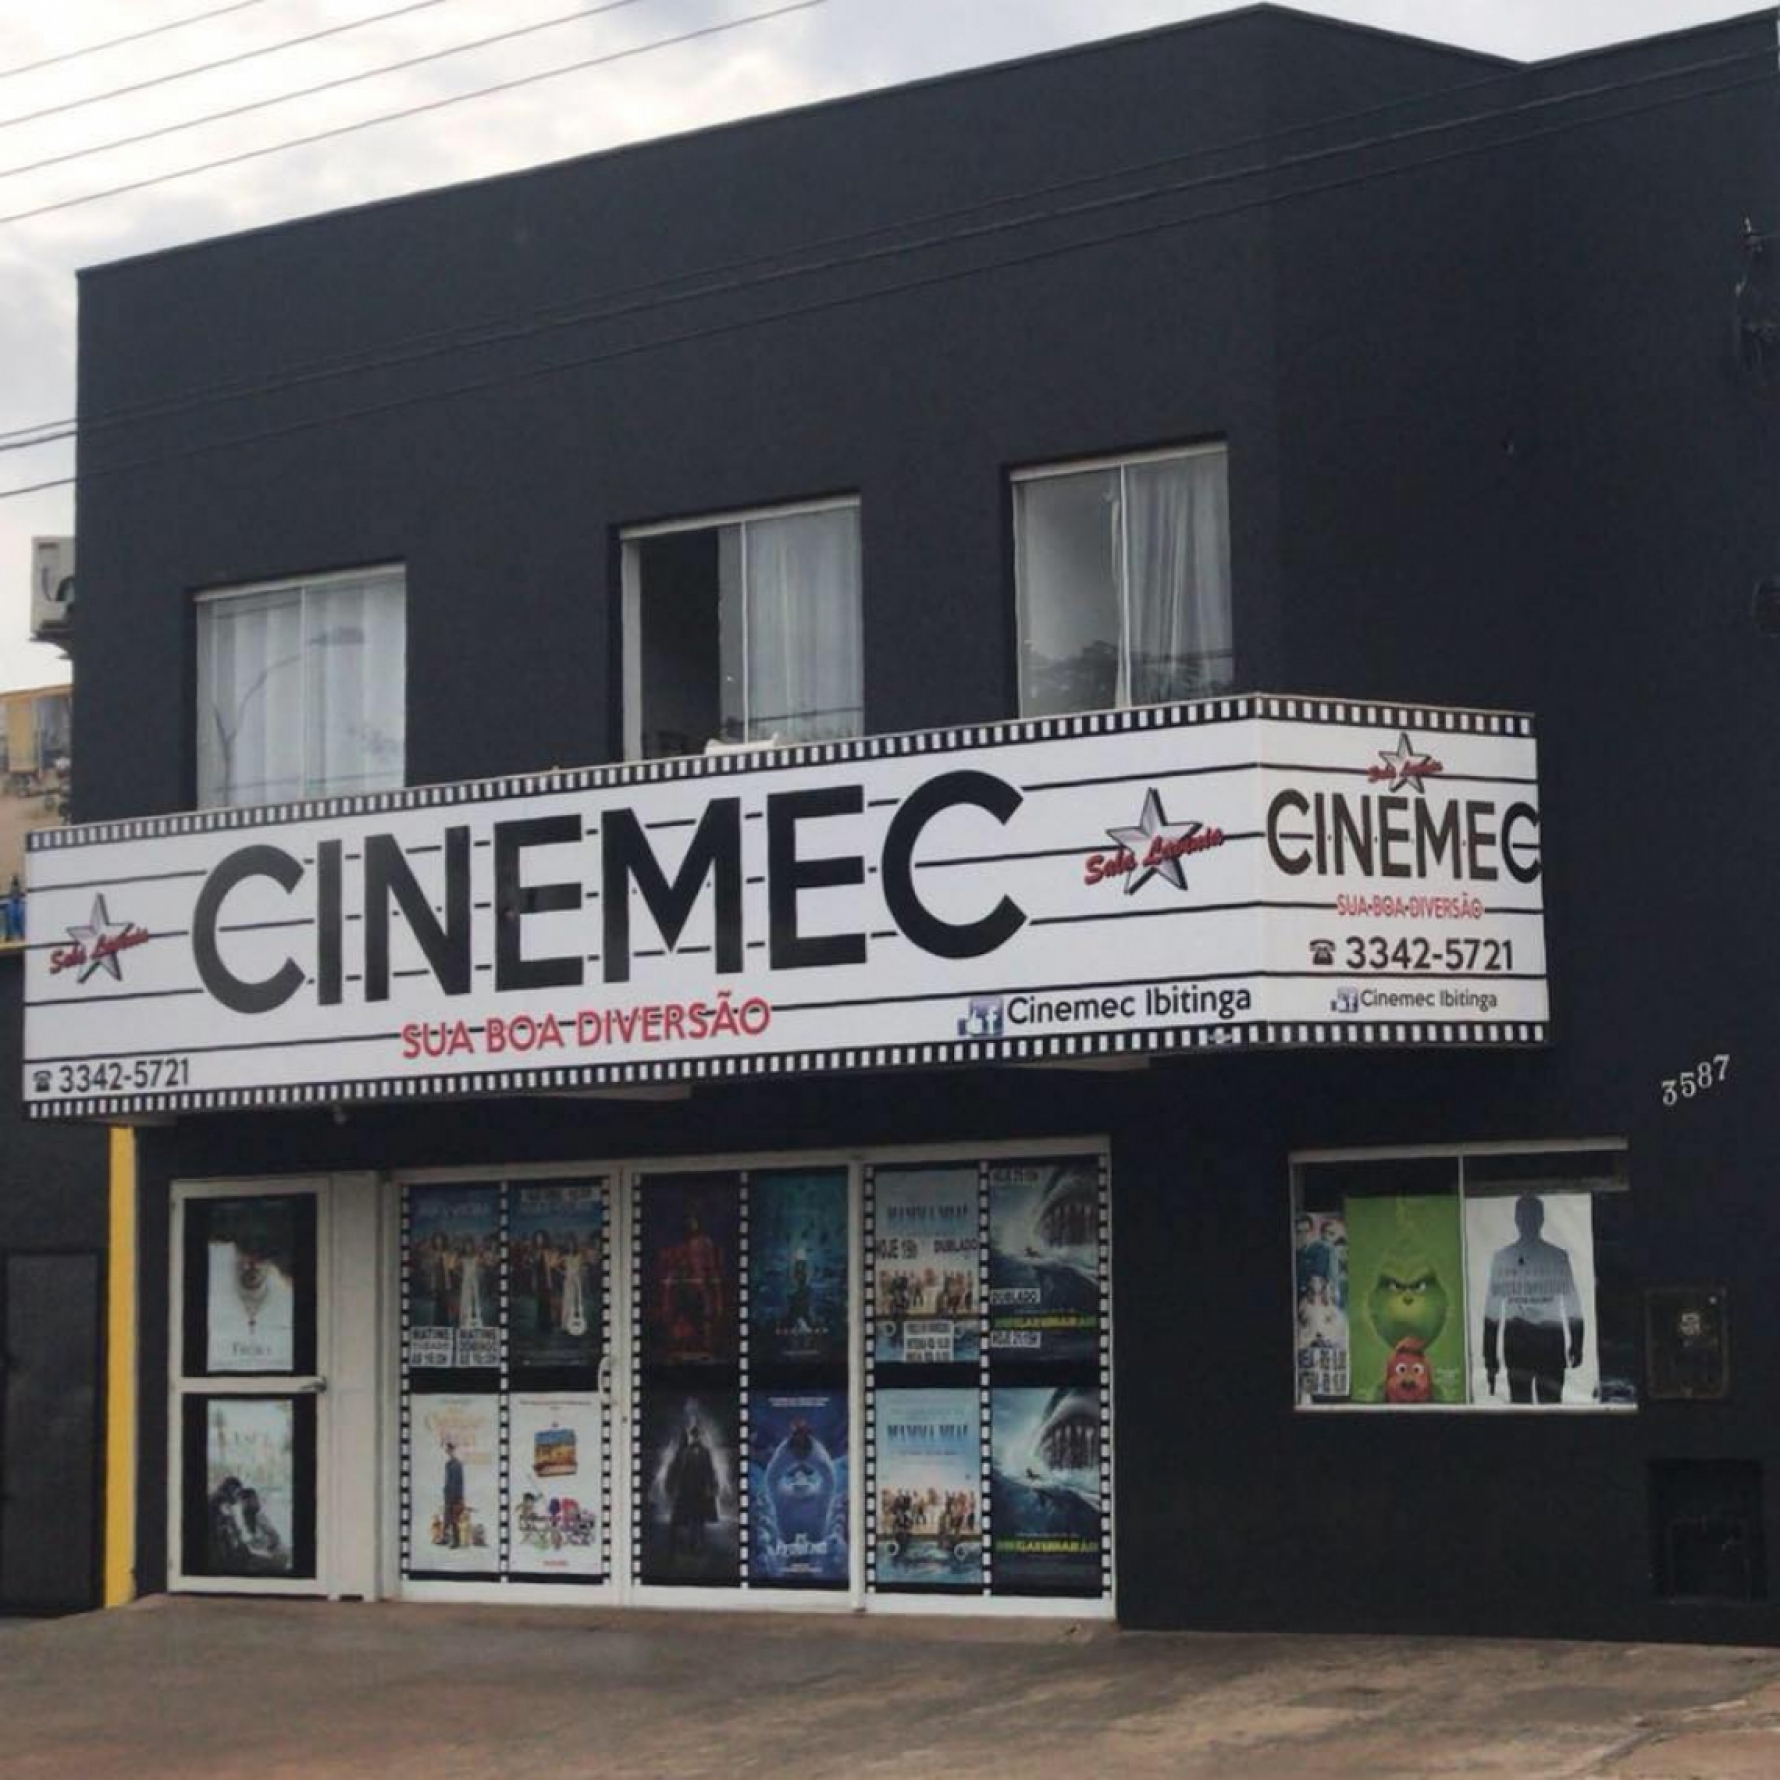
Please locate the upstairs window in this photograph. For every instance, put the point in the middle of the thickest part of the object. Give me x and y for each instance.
(1122, 569)
(302, 689)
(743, 629)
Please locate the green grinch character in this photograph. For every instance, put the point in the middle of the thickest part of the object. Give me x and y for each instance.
(1408, 1306)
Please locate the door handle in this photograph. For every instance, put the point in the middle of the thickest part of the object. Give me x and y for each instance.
(315, 1387)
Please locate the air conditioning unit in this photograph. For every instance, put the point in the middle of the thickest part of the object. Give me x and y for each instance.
(52, 589)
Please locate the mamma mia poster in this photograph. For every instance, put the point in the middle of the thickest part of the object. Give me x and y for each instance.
(925, 1253)
(929, 1479)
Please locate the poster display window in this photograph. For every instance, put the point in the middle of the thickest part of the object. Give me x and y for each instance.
(1478, 1279)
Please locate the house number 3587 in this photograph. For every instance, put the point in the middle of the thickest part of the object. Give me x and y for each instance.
(1707, 1074)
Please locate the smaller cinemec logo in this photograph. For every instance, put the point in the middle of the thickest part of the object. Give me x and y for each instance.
(1153, 848)
(98, 944)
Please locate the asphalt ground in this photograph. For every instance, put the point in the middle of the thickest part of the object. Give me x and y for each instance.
(265, 1690)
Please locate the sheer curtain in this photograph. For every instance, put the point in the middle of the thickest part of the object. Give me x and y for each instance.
(1177, 577)
(802, 674)
(302, 691)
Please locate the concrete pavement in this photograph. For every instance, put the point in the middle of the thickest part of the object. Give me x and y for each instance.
(264, 1690)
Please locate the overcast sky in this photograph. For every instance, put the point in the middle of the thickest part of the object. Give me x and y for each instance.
(839, 46)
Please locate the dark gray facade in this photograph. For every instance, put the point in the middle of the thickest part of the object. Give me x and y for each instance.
(1470, 332)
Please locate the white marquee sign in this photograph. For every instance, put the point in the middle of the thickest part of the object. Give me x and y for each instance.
(1247, 871)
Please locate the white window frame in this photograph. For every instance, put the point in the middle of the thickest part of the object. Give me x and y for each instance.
(299, 585)
(1120, 461)
(632, 589)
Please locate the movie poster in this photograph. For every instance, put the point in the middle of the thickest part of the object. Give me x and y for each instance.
(556, 1276)
(691, 1242)
(454, 1277)
(1319, 1260)
(250, 1486)
(797, 1268)
(1531, 1259)
(555, 1475)
(454, 1485)
(1045, 1489)
(926, 1263)
(251, 1274)
(1044, 1260)
(1406, 1327)
(797, 1489)
(929, 1478)
(691, 1486)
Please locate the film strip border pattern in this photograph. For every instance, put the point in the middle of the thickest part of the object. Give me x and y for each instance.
(1259, 1035)
(1438, 719)
(986, 1383)
(507, 1568)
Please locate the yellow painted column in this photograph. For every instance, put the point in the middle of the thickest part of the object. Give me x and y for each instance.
(120, 1375)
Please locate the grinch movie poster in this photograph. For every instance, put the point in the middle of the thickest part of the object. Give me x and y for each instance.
(925, 1254)
(556, 1276)
(454, 1277)
(1531, 1259)
(251, 1278)
(691, 1253)
(454, 1485)
(797, 1489)
(1044, 1260)
(250, 1486)
(797, 1268)
(1045, 1487)
(554, 1484)
(1319, 1262)
(691, 1486)
(1406, 1298)
(929, 1479)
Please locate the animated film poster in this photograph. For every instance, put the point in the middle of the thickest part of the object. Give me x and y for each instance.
(556, 1276)
(454, 1277)
(1045, 1489)
(454, 1485)
(1319, 1262)
(1406, 1295)
(1044, 1261)
(690, 1480)
(691, 1242)
(251, 1272)
(929, 1477)
(555, 1474)
(926, 1263)
(797, 1268)
(1531, 1258)
(797, 1489)
(250, 1486)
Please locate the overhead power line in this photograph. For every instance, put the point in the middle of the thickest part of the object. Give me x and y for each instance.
(620, 303)
(92, 49)
(387, 117)
(231, 61)
(904, 287)
(325, 86)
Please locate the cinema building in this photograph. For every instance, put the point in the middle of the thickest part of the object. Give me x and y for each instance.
(1003, 848)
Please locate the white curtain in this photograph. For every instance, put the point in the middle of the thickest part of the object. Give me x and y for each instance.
(1177, 544)
(302, 692)
(803, 677)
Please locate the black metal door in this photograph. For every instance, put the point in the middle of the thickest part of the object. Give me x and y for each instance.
(49, 1432)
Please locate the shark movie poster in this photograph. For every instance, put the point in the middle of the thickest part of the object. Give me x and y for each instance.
(454, 1277)
(1044, 1261)
(1406, 1300)
(556, 1276)
(797, 1489)
(929, 1481)
(1044, 1491)
(454, 1485)
(925, 1255)
(797, 1268)
(554, 1485)
(691, 1486)
(691, 1256)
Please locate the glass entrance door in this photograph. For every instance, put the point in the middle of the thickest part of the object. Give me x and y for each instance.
(248, 1425)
